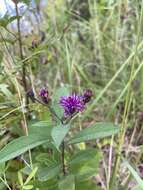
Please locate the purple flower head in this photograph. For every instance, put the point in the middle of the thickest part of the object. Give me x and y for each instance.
(44, 94)
(71, 104)
(87, 96)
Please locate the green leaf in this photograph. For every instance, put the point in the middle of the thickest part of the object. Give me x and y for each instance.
(99, 130)
(59, 133)
(46, 159)
(84, 164)
(134, 173)
(67, 183)
(20, 178)
(83, 156)
(41, 127)
(4, 89)
(2, 168)
(42, 185)
(42, 124)
(21, 145)
(47, 173)
(31, 175)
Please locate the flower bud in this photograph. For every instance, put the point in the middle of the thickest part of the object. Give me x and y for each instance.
(87, 96)
(31, 95)
(44, 94)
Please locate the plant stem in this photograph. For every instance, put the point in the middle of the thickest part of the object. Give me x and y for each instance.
(63, 143)
(23, 75)
(63, 158)
(21, 53)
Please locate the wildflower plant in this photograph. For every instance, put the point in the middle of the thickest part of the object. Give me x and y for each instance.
(59, 165)
(49, 151)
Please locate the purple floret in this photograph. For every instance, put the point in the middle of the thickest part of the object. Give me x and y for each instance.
(72, 104)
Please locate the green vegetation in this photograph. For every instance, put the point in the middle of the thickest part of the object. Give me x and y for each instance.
(71, 92)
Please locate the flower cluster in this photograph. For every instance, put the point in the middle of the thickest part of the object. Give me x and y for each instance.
(75, 103)
(71, 104)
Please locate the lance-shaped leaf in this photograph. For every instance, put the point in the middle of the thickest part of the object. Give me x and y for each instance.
(21, 145)
(97, 131)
